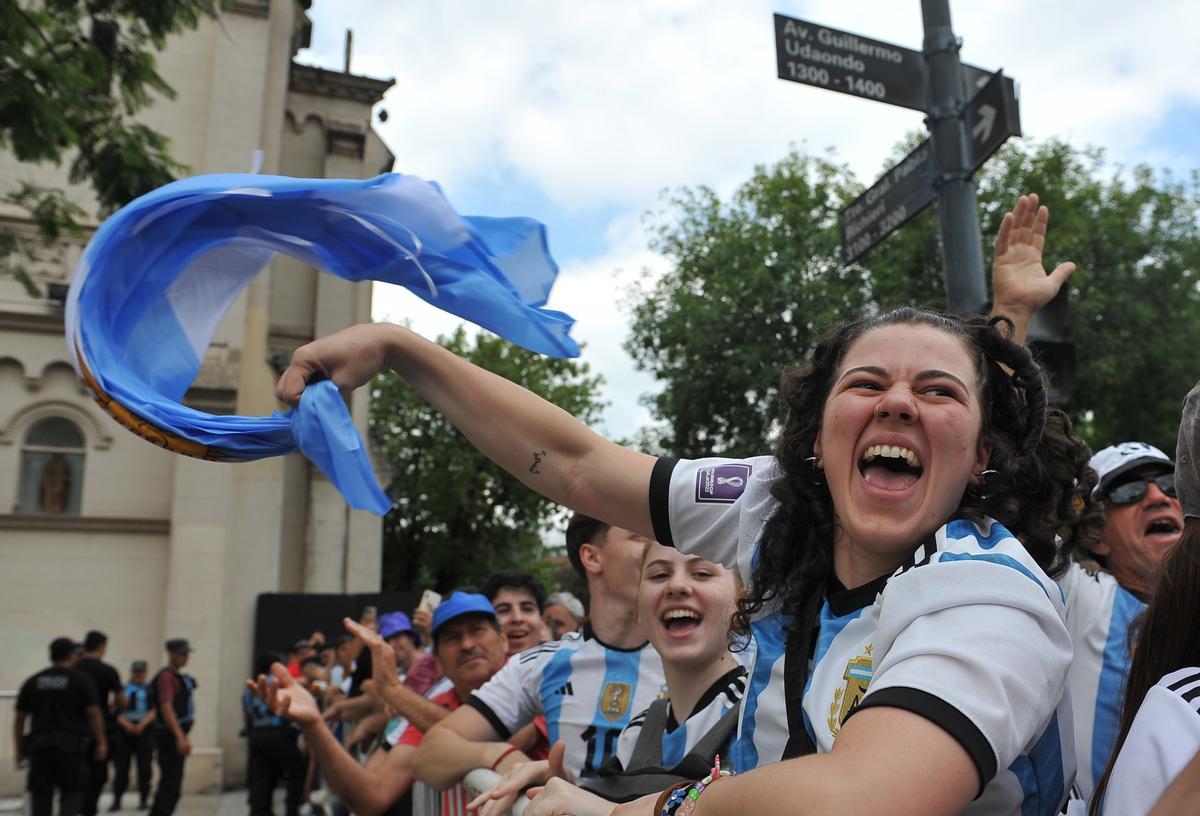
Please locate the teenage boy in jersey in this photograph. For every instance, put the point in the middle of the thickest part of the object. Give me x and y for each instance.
(587, 685)
(66, 731)
(518, 599)
(468, 646)
(133, 738)
(111, 696)
(1142, 520)
(175, 713)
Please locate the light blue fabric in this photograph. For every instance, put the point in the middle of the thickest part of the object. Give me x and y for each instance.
(158, 276)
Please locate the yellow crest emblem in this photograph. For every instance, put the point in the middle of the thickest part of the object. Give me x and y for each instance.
(614, 700)
(846, 699)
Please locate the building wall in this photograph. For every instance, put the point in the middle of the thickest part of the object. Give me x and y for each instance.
(164, 545)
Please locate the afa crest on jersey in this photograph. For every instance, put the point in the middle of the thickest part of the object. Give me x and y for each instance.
(846, 699)
(614, 700)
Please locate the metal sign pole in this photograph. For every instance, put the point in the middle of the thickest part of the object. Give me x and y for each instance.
(962, 246)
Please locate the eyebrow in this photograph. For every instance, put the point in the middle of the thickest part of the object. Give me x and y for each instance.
(691, 559)
(930, 374)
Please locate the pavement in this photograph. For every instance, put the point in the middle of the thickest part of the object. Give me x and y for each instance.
(228, 803)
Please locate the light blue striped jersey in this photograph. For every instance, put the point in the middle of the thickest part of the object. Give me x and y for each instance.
(969, 634)
(587, 691)
(679, 738)
(1099, 612)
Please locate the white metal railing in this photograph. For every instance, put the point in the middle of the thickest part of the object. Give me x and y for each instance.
(427, 801)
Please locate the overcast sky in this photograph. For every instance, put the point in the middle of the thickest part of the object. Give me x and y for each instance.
(581, 113)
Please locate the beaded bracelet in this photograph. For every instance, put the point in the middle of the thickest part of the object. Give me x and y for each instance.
(683, 799)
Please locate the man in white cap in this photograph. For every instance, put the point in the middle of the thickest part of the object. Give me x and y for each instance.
(1142, 521)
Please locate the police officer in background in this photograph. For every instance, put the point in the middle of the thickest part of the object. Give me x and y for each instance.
(274, 750)
(111, 696)
(133, 738)
(66, 732)
(173, 708)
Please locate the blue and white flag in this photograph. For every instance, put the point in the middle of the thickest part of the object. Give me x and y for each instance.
(158, 276)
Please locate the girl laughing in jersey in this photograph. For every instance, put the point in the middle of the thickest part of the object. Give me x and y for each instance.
(685, 604)
(909, 650)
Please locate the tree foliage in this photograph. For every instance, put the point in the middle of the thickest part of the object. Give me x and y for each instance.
(753, 280)
(459, 516)
(72, 76)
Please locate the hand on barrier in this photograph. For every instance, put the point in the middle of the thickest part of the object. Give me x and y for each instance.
(500, 799)
(561, 798)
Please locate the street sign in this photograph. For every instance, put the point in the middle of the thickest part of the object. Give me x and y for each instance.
(840, 61)
(992, 116)
(907, 188)
(825, 57)
(900, 193)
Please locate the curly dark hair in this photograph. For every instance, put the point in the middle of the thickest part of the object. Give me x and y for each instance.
(1041, 491)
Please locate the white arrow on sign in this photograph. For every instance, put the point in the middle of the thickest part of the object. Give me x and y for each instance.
(987, 118)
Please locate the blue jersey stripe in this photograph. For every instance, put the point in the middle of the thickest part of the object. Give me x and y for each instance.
(831, 627)
(620, 668)
(1113, 670)
(770, 641)
(997, 558)
(554, 676)
(1040, 773)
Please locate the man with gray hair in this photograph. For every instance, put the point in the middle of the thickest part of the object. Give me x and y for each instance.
(1142, 521)
(563, 614)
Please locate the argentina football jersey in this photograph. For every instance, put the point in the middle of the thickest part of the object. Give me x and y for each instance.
(969, 635)
(1099, 614)
(587, 691)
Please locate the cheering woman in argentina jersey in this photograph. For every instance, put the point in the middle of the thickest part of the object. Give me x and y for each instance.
(909, 650)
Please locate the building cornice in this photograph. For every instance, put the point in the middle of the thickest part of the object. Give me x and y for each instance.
(336, 84)
(39, 522)
(41, 322)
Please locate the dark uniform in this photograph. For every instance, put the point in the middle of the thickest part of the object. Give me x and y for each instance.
(127, 746)
(60, 744)
(274, 754)
(108, 684)
(170, 761)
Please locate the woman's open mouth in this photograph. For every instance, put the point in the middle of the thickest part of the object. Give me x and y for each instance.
(681, 622)
(890, 467)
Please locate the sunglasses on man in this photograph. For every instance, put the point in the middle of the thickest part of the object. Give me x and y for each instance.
(1135, 491)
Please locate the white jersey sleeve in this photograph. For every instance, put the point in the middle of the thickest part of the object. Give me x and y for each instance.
(1164, 737)
(997, 699)
(714, 508)
(509, 700)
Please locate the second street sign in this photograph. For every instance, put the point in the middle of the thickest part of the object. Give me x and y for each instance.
(907, 188)
(900, 193)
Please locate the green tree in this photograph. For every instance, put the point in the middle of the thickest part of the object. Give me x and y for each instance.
(753, 280)
(72, 76)
(458, 516)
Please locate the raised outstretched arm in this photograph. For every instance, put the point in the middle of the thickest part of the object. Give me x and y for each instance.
(542, 445)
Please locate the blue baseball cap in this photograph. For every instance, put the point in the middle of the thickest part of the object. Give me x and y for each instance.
(459, 604)
(396, 623)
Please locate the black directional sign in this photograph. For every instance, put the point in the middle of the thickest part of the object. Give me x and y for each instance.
(908, 188)
(900, 193)
(840, 61)
(992, 116)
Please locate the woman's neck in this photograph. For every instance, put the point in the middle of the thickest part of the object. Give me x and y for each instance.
(686, 684)
(855, 566)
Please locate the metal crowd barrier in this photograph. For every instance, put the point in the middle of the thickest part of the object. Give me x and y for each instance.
(427, 801)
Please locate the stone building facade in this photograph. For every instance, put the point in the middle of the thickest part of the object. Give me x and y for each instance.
(100, 529)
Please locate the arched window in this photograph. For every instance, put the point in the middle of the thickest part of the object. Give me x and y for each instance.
(51, 468)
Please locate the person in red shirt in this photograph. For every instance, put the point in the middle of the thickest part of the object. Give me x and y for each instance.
(470, 649)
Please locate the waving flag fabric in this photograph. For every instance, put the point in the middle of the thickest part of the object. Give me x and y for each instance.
(158, 276)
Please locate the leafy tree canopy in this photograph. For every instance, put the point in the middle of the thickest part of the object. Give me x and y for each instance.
(72, 76)
(459, 517)
(754, 279)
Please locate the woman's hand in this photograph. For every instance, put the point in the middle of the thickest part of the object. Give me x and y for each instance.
(521, 776)
(349, 358)
(561, 798)
(1020, 284)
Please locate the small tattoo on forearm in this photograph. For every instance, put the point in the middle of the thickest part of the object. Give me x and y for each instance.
(538, 456)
